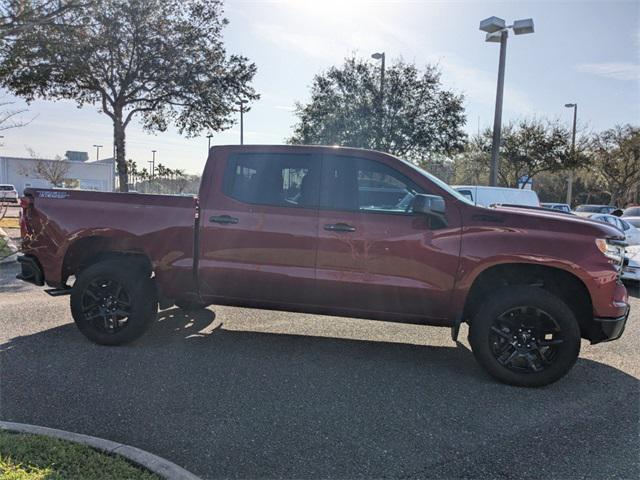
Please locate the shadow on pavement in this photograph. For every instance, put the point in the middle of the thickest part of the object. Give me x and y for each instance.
(243, 404)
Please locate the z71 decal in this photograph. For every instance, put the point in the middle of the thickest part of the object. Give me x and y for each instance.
(48, 194)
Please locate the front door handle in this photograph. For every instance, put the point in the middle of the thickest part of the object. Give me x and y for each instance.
(225, 219)
(339, 227)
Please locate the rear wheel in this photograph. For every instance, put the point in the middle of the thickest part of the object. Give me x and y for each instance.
(525, 336)
(113, 302)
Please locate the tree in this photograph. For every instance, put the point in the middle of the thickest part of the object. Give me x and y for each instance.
(53, 171)
(17, 16)
(10, 117)
(160, 60)
(616, 162)
(529, 147)
(419, 116)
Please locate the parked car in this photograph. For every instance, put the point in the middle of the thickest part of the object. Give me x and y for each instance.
(560, 207)
(8, 193)
(489, 196)
(631, 269)
(588, 210)
(631, 233)
(337, 231)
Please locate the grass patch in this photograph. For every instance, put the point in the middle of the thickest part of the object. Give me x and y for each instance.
(34, 457)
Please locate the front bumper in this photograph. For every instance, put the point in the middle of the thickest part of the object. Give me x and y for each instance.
(31, 270)
(607, 329)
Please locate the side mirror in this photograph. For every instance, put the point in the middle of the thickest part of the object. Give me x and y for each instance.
(428, 205)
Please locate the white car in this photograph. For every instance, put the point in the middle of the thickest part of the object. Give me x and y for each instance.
(559, 207)
(8, 193)
(631, 270)
(489, 196)
(631, 233)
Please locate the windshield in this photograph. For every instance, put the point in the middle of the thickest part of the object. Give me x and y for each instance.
(439, 183)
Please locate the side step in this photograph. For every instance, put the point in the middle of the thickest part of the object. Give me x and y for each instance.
(58, 292)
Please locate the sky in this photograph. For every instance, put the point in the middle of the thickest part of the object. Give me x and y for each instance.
(581, 52)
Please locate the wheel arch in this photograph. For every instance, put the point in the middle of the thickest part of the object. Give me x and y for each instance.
(90, 249)
(558, 281)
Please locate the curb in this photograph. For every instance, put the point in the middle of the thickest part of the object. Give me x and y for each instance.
(155, 464)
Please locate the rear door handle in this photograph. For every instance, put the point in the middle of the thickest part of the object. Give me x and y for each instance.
(339, 227)
(223, 219)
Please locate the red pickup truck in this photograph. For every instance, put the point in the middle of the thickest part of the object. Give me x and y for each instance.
(336, 231)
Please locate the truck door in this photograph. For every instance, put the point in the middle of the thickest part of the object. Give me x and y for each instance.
(373, 253)
(259, 227)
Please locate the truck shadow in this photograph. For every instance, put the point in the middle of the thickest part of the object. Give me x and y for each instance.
(251, 404)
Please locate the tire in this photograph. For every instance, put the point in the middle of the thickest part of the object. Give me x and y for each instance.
(104, 292)
(525, 336)
(190, 306)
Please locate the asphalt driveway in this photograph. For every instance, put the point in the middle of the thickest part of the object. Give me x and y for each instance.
(239, 393)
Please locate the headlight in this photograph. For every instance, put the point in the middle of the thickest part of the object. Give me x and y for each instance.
(611, 249)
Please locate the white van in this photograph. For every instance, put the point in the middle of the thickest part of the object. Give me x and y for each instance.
(488, 196)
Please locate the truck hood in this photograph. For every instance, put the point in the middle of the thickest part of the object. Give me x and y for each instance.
(540, 219)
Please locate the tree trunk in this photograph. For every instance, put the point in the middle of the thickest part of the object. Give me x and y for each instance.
(121, 163)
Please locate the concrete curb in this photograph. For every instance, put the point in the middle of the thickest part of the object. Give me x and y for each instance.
(157, 465)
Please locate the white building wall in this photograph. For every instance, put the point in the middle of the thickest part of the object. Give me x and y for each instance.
(90, 175)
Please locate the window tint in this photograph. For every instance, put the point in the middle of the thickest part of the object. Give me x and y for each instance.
(357, 184)
(288, 180)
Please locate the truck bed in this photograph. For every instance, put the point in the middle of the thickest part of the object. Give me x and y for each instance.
(64, 228)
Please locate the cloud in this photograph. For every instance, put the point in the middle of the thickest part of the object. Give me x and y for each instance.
(614, 70)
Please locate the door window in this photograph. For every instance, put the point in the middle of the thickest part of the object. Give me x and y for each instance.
(287, 180)
(358, 184)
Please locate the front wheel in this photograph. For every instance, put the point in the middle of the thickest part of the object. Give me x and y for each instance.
(525, 336)
(113, 302)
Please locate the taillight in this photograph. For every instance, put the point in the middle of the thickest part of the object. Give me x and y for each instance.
(25, 214)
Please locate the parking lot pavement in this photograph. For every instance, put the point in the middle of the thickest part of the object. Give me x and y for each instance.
(240, 393)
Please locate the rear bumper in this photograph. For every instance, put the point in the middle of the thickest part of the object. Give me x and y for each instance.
(31, 270)
(607, 329)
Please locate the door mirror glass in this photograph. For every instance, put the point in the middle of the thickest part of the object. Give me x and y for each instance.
(428, 205)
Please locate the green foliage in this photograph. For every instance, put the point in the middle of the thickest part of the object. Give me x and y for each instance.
(33, 457)
(160, 60)
(529, 147)
(616, 162)
(418, 118)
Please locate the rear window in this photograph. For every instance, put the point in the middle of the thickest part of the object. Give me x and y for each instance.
(287, 180)
(631, 212)
(591, 209)
(7, 188)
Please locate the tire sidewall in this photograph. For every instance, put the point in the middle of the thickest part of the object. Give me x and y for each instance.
(510, 297)
(140, 290)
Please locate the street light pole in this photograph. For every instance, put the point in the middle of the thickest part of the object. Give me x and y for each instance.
(241, 103)
(573, 151)
(498, 31)
(380, 56)
(152, 163)
(497, 118)
(98, 147)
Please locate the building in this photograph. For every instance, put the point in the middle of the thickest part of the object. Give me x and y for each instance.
(76, 171)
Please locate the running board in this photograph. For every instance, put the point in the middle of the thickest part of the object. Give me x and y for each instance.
(58, 292)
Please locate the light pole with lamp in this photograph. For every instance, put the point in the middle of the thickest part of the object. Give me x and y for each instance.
(380, 56)
(573, 151)
(97, 147)
(498, 31)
